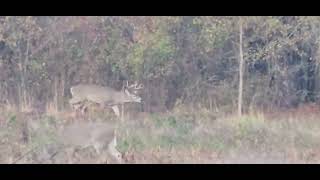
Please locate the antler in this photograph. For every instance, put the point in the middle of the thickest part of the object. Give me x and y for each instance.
(135, 86)
(139, 87)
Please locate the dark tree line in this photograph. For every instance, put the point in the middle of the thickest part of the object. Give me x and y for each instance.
(182, 61)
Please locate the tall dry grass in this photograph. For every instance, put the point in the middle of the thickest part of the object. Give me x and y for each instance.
(182, 136)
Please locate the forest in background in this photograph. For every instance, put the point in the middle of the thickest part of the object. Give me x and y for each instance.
(216, 89)
(181, 61)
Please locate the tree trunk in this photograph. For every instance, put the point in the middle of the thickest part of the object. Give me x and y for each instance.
(56, 89)
(21, 84)
(240, 69)
(25, 90)
(62, 90)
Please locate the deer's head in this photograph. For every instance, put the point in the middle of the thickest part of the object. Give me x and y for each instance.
(132, 91)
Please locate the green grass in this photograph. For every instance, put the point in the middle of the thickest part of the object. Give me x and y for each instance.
(228, 136)
(250, 133)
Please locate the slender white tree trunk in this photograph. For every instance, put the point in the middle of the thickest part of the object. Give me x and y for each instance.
(240, 69)
(56, 96)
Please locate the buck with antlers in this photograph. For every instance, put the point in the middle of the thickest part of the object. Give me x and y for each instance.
(104, 96)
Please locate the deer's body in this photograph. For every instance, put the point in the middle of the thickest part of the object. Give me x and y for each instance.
(102, 95)
(101, 136)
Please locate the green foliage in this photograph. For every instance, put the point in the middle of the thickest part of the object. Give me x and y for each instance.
(212, 35)
(153, 59)
(12, 120)
(192, 56)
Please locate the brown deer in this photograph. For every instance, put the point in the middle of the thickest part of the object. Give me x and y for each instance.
(85, 94)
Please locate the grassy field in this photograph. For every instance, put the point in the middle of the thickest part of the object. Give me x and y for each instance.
(181, 136)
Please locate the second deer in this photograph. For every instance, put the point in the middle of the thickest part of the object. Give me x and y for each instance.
(97, 135)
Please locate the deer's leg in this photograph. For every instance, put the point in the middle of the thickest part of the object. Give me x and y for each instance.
(74, 109)
(114, 152)
(83, 109)
(101, 159)
(70, 152)
(115, 109)
(74, 106)
(122, 111)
